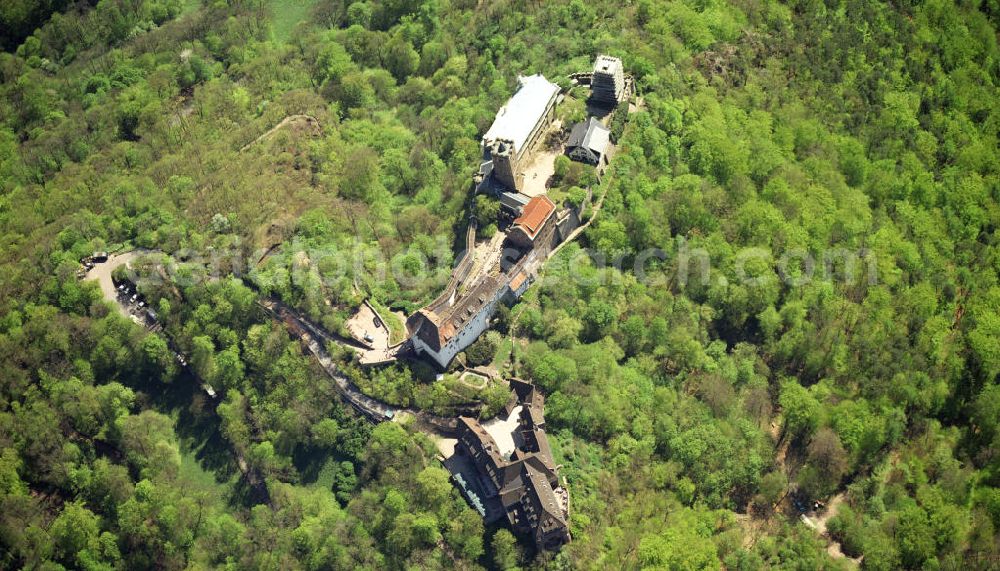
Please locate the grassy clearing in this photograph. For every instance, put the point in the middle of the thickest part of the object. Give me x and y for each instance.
(189, 6)
(286, 14)
(198, 478)
(397, 329)
(325, 477)
(557, 195)
(502, 357)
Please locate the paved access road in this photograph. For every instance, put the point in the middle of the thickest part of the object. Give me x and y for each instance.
(314, 338)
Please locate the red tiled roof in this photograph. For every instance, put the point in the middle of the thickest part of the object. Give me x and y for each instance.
(536, 212)
(517, 281)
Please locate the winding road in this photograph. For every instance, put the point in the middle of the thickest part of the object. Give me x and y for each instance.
(315, 340)
(375, 410)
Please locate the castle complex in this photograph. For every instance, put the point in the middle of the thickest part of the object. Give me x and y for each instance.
(505, 468)
(453, 321)
(462, 313)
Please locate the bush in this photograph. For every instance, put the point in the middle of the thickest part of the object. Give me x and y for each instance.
(561, 167)
(575, 196)
(845, 528)
(618, 121)
(488, 231)
(487, 209)
(484, 349)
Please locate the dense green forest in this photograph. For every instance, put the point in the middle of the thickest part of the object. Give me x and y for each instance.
(691, 414)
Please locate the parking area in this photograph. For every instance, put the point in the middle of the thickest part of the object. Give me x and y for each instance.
(125, 297)
(367, 328)
(135, 306)
(101, 271)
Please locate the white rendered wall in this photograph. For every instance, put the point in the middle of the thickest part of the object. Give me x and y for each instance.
(471, 331)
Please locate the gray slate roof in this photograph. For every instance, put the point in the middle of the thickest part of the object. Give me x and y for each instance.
(591, 135)
(514, 201)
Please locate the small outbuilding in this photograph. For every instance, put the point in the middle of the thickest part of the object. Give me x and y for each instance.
(588, 142)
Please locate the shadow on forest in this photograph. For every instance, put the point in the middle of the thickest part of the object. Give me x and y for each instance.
(309, 462)
(196, 423)
(245, 495)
